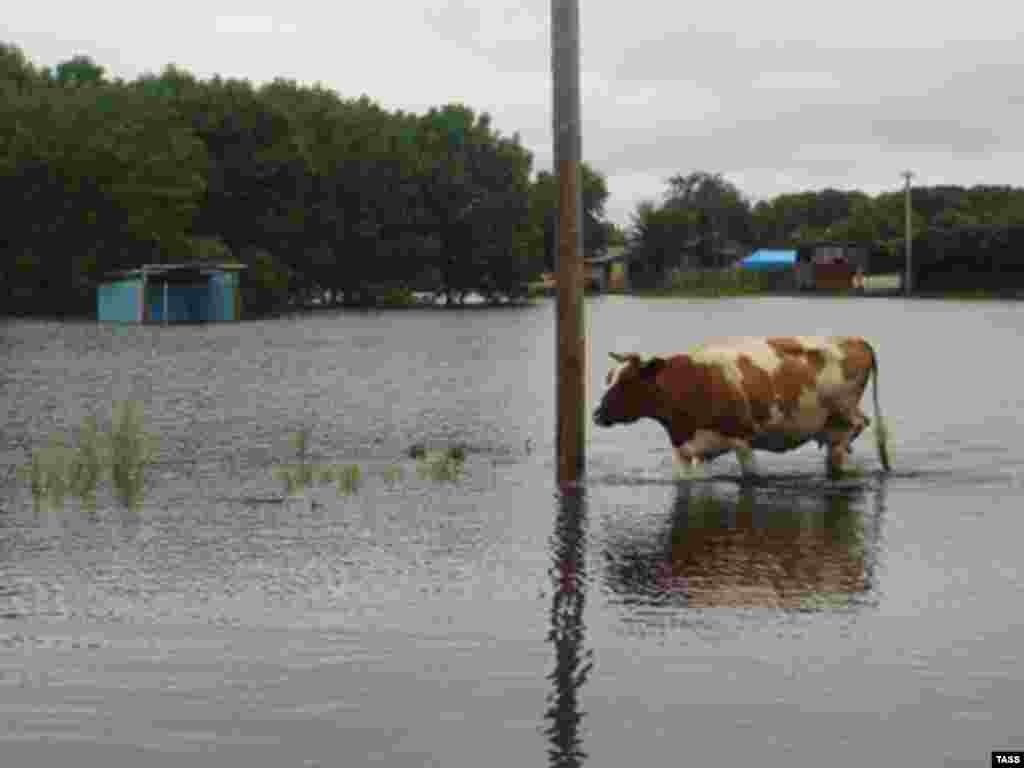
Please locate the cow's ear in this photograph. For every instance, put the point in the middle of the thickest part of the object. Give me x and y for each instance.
(652, 365)
(630, 358)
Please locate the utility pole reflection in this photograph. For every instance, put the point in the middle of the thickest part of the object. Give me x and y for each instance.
(572, 662)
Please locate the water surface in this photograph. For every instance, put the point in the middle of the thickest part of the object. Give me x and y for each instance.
(793, 621)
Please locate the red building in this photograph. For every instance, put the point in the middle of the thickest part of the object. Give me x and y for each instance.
(829, 265)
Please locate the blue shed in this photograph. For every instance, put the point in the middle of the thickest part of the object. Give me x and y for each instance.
(770, 259)
(171, 293)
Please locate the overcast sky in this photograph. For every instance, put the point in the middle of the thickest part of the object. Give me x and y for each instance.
(778, 96)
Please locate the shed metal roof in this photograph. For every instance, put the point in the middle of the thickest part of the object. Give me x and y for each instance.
(204, 268)
(767, 258)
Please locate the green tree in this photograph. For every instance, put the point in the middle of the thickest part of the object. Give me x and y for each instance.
(94, 177)
(614, 235)
(544, 211)
(472, 203)
(265, 284)
(254, 184)
(717, 207)
(79, 70)
(656, 238)
(861, 225)
(17, 74)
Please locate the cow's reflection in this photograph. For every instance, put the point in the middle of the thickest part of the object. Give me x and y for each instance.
(756, 546)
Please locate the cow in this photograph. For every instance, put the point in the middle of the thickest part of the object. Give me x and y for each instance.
(750, 394)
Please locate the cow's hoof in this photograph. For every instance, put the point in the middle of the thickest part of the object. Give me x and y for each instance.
(842, 471)
(690, 470)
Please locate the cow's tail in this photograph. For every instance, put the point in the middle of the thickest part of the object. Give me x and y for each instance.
(881, 431)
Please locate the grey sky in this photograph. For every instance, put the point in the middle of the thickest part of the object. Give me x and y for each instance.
(779, 97)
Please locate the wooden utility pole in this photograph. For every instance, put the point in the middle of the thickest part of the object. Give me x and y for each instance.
(570, 382)
(908, 281)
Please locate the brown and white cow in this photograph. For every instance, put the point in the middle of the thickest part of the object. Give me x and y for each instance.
(745, 394)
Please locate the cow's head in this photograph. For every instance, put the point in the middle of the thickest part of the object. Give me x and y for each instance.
(631, 392)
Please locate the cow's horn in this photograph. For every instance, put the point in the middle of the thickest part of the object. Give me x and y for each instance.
(624, 358)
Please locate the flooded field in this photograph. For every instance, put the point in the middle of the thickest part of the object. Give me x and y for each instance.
(411, 618)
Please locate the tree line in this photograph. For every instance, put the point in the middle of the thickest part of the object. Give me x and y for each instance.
(320, 194)
(956, 230)
(314, 192)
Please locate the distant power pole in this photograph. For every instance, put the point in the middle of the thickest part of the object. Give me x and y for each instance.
(908, 282)
(570, 381)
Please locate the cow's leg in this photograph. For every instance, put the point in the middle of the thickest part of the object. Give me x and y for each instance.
(847, 421)
(857, 423)
(838, 437)
(689, 468)
(689, 464)
(836, 458)
(860, 424)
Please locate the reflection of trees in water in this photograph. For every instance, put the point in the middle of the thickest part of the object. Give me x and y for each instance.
(763, 546)
(572, 663)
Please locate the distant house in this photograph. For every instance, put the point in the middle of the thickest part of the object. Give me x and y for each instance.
(600, 273)
(829, 264)
(171, 293)
(608, 271)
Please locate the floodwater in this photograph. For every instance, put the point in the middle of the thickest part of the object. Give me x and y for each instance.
(794, 621)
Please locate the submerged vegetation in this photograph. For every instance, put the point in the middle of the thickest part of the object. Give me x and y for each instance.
(348, 478)
(298, 477)
(443, 466)
(446, 465)
(305, 474)
(61, 467)
(131, 450)
(123, 452)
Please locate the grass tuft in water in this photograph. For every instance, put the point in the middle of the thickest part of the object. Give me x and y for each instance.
(56, 460)
(57, 469)
(130, 451)
(302, 474)
(87, 464)
(37, 476)
(289, 478)
(393, 474)
(301, 440)
(456, 452)
(443, 466)
(349, 479)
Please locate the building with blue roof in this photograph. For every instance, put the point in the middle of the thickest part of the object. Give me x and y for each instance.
(770, 259)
